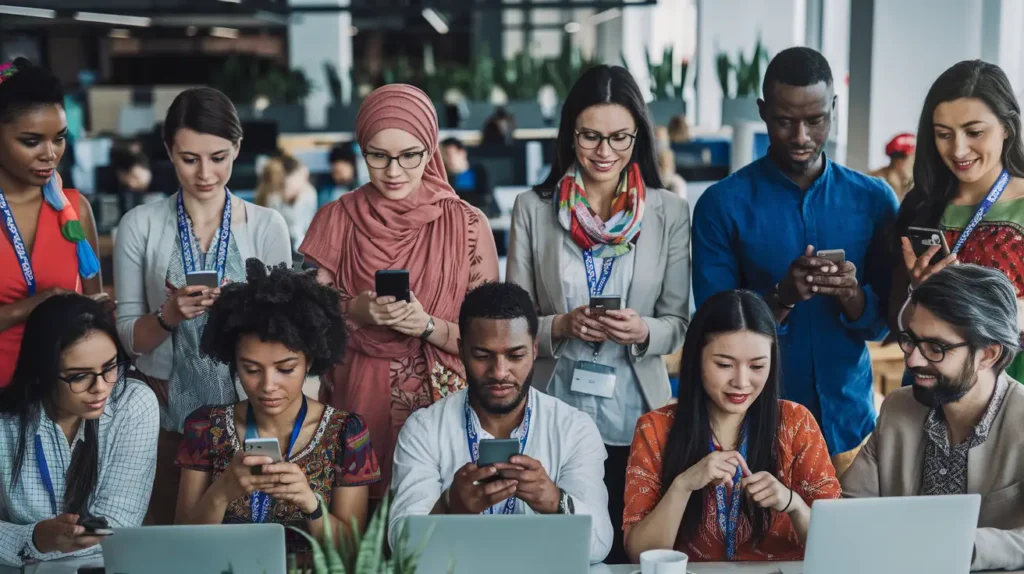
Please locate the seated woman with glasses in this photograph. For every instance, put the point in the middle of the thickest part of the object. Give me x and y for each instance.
(730, 472)
(77, 438)
(272, 332)
(403, 355)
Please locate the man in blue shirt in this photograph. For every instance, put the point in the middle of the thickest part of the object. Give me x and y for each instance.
(762, 228)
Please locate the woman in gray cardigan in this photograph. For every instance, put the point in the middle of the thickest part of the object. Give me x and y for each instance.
(201, 228)
(601, 226)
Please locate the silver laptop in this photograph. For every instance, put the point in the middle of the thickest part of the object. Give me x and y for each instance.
(208, 549)
(933, 534)
(513, 544)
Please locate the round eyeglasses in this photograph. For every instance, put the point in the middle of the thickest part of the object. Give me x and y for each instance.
(82, 382)
(932, 351)
(407, 160)
(592, 140)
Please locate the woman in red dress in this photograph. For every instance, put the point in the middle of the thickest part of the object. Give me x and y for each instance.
(48, 243)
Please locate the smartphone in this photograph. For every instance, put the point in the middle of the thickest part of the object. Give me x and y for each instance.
(394, 283)
(834, 255)
(496, 450)
(600, 304)
(202, 278)
(269, 447)
(923, 238)
(95, 525)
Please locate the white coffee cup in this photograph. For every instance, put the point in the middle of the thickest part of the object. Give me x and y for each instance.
(663, 562)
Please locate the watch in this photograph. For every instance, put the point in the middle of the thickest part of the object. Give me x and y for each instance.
(316, 514)
(429, 330)
(565, 504)
(163, 322)
(778, 299)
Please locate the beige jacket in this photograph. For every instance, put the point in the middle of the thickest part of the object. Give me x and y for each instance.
(659, 291)
(892, 462)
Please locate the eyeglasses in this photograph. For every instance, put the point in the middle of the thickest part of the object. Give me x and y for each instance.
(932, 351)
(592, 140)
(82, 382)
(407, 160)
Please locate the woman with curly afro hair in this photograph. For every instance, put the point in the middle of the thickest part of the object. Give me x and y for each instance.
(272, 332)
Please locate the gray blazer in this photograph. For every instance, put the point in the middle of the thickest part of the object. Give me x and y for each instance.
(659, 291)
(143, 245)
(892, 462)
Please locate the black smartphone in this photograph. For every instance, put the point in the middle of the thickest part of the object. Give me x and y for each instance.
(923, 238)
(95, 525)
(601, 303)
(201, 278)
(495, 450)
(394, 283)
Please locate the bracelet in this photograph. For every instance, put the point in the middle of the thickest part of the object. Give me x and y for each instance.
(784, 510)
(316, 514)
(163, 323)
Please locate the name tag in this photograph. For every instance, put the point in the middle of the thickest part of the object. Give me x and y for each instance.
(593, 379)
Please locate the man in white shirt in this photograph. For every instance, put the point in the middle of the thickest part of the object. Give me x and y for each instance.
(561, 466)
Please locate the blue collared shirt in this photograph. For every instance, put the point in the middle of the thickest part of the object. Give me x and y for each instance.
(749, 228)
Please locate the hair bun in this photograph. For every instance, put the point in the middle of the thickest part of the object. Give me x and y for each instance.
(22, 63)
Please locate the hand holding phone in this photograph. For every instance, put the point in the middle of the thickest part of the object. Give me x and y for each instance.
(63, 534)
(95, 525)
(206, 278)
(837, 256)
(601, 303)
(393, 283)
(268, 447)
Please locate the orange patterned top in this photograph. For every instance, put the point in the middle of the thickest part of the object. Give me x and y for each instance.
(813, 475)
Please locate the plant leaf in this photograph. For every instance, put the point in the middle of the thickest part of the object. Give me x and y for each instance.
(319, 561)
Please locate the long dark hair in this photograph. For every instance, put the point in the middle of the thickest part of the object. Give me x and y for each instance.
(688, 441)
(934, 185)
(54, 325)
(603, 85)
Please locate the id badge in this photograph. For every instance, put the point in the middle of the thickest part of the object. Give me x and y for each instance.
(593, 379)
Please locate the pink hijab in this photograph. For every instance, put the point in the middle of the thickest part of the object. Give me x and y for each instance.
(426, 233)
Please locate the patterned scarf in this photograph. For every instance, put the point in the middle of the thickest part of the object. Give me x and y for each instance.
(610, 238)
(70, 227)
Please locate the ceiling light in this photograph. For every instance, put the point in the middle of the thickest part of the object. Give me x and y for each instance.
(609, 14)
(30, 12)
(218, 32)
(116, 19)
(435, 20)
(119, 33)
(232, 1)
(572, 27)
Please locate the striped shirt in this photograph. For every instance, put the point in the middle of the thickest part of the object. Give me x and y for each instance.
(127, 435)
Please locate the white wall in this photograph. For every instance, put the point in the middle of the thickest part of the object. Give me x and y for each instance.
(908, 54)
(733, 25)
(315, 38)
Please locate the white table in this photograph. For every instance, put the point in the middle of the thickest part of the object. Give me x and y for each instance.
(714, 568)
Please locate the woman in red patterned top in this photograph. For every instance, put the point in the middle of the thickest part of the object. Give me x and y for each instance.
(274, 331)
(968, 137)
(731, 471)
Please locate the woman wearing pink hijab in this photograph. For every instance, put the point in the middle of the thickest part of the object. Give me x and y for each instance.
(401, 356)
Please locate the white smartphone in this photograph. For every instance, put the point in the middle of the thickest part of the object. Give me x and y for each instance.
(833, 255)
(268, 447)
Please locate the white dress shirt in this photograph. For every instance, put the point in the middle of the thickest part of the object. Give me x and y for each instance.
(615, 416)
(432, 447)
(127, 437)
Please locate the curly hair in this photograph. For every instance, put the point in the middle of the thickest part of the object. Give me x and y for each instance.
(28, 88)
(278, 305)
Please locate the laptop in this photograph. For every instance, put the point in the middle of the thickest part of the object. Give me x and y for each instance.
(501, 544)
(207, 549)
(933, 534)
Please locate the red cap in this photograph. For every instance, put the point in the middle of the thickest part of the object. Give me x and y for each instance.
(903, 143)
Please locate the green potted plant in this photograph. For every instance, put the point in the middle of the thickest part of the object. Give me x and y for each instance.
(667, 84)
(363, 553)
(280, 91)
(741, 84)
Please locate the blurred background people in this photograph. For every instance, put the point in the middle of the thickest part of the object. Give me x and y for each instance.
(284, 186)
(899, 174)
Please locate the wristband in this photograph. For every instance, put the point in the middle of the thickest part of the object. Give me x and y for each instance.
(316, 514)
(778, 299)
(163, 323)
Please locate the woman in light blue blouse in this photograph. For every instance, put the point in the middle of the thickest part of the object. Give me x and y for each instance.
(77, 438)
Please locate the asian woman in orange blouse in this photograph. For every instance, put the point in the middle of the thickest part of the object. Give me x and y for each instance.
(730, 472)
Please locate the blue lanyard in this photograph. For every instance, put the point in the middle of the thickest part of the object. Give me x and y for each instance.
(595, 284)
(44, 472)
(729, 517)
(259, 502)
(19, 245)
(474, 447)
(993, 196)
(188, 259)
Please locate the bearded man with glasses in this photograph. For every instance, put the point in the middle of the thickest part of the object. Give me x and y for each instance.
(957, 430)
